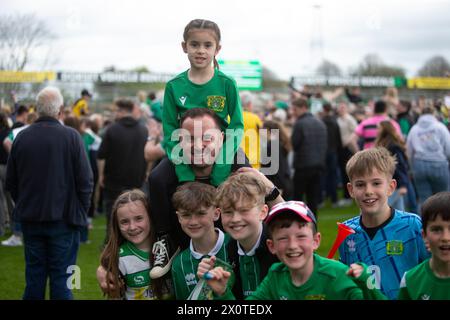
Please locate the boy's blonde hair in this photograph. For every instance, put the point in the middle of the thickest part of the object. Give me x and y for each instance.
(192, 196)
(363, 162)
(242, 186)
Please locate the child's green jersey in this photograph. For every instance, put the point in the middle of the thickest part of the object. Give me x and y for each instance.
(134, 265)
(220, 95)
(420, 283)
(184, 266)
(328, 281)
(250, 267)
(250, 273)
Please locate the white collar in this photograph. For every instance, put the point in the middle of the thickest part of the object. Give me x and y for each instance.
(253, 250)
(214, 250)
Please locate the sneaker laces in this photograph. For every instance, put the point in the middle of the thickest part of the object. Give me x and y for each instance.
(160, 252)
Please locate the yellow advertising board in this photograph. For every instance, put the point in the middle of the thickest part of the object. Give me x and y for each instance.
(23, 76)
(429, 83)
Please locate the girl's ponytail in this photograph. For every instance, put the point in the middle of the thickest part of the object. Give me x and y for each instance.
(216, 64)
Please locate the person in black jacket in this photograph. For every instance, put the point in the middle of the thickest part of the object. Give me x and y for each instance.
(330, 180)
(274, 159)
(50, 180)
(309, 141)
(121, 162)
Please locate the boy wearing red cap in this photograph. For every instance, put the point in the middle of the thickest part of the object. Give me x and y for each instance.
(301, 274)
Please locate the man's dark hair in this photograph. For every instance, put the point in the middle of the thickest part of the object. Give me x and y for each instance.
(327, 107)
(125, 104)
(192, 196)
(300, 102)
(436, 205)
(406, 104)
(380, 107)
(198, 113)
(21, 110)
(428, 109)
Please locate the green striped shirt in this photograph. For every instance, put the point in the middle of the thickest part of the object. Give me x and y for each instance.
(249, 268)
(184, 266)
(135, 267)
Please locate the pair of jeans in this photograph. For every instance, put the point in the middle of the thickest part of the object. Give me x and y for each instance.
(50, 249)
(410, 199)
(430, 177)
(396, 201)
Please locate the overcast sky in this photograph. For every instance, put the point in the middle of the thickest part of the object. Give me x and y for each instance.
(93, 34)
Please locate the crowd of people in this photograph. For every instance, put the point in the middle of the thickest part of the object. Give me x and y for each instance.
(211, 194)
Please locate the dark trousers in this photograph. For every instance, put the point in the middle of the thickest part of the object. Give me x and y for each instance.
(307, 182)
(109, 197)
(50, 249)
(329, 180)
(344, 155)
(162, 184)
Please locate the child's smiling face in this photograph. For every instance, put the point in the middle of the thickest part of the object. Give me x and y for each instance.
(371, 192)
(134, 224)
(201, 47)
(295, 245)
(437, 239)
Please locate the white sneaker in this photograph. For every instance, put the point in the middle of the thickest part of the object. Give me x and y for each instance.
(162, 258)
(13, 241)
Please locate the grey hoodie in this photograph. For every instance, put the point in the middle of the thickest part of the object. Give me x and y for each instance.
(428, 140)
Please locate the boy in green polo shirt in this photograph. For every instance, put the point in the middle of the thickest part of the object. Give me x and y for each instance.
(430, 280)
(301, 274)
(195, 207)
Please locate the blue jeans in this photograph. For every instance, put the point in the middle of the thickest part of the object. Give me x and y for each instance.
(50, 248)
(396, 201)
(410, 199)
(430, 177)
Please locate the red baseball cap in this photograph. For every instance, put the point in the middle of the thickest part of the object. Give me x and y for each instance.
(297, 207)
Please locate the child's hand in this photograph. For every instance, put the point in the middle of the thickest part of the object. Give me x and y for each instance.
(402, 191)
(355, 270)
(268, 184)
(217, 277)
(258, 174)
(103, 281)
(205, 265)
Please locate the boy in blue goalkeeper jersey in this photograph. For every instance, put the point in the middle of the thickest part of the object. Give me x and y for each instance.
(387, 240)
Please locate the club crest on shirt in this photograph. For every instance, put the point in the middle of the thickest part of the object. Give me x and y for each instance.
(215, 103)
(351, 245)
(394, 247)
(190, 279)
